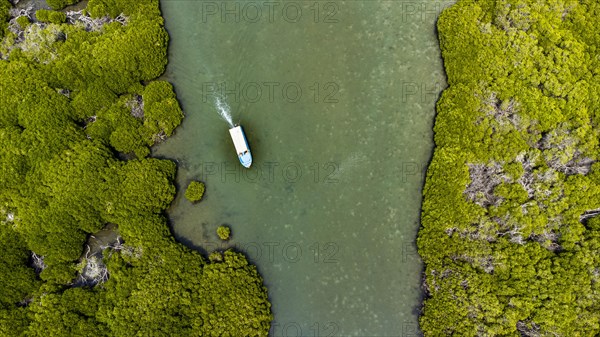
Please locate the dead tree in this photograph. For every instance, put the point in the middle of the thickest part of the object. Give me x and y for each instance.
(504, 112)
(561, 151)
(136, 105)
(514, 233)
(589, 214)
(159, 137)
(528, 162)
(484, 178)
(94, 272)
(528, 329)
(13, 26)
(37, 262)
(93, 24)
(14, 13)
(576, 165)
(548, 239)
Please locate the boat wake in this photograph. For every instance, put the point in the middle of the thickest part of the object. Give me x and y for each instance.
(224, 110)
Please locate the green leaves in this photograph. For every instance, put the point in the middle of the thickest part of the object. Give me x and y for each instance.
(162, 111)
(44, 15)
(509, 234)
(224, 232)
(60, 4)
(4, 8)
(194, 191)
(76, 124)
(232, 288)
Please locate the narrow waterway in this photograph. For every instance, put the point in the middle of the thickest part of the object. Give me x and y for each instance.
(337, 99)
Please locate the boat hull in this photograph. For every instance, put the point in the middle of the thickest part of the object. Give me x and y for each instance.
(241, 145)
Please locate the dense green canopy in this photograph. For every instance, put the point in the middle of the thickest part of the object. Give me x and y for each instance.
(509, 231)
(194, 191)
(79, 107)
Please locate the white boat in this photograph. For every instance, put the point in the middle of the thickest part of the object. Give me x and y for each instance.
(241, 145)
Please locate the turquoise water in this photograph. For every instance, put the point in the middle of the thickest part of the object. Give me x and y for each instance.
(337, 101)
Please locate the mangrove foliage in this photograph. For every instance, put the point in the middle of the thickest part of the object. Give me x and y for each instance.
(80, 106)
(510, 232)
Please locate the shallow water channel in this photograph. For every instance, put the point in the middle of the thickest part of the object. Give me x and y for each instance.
(337, 99)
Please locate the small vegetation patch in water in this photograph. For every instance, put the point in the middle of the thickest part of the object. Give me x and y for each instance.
(194, 191)
(224, 232)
